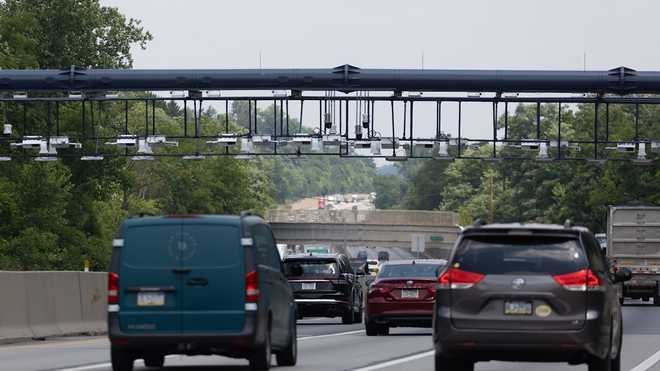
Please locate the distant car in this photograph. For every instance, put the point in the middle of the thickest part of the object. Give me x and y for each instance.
(402, 295)
(325, 285)
(199, 285)
(362, 255)
(602, 240)
(383, 256)
(528, 292)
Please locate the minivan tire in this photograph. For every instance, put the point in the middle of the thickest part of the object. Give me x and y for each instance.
(443, 363)
(121, 360)
(597, 364)
(154, 361)
(260, 360)
(289, 355)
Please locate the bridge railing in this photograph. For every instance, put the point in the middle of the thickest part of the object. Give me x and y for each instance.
(367, 217)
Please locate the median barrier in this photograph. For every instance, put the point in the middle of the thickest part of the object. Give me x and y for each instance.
(40, 289)
(68, 304)
(93, 287)
(14, 322)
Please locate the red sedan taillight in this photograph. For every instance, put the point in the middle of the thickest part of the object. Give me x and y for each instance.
(457, 279)
(579, 281)
(113, 288)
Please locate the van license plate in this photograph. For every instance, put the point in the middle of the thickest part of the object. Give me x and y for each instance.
(150, 299)
(409, 294)
(309, 286)
(520, 308)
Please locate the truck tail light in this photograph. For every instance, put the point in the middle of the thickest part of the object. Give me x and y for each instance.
(252, 287)
(113, 288)
(457, 279)
(579, 281)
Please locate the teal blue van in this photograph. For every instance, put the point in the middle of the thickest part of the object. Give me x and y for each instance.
(199, 285)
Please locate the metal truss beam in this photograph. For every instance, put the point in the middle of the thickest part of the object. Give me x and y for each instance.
(344, 78)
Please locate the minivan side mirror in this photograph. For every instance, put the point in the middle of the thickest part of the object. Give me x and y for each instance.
(622, 275)
(296, 270)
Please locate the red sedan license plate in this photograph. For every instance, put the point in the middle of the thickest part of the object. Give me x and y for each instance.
(518, 308)
(409, 294)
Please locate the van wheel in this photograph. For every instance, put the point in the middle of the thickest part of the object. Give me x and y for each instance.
(121, 360)
(154, 361)
(289, 356)
(260, 360)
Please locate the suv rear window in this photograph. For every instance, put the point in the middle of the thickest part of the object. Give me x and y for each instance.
(520, 255)
(410, 270)
(314, 267)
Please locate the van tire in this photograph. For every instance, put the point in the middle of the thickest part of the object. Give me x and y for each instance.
(289, 355)
(121, 360)
(260, 359)
(452, 364)
(154, 361)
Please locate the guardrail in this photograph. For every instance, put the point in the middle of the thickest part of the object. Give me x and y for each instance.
(36, 305)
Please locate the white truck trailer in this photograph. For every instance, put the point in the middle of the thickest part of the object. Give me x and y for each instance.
(633, 242)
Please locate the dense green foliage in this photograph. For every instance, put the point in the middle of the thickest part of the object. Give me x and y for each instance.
(525, 191)
(55, 215)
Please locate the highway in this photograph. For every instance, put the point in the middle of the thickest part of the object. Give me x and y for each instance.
(327, 345)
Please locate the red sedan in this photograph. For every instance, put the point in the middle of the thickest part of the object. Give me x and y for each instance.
(402, 295)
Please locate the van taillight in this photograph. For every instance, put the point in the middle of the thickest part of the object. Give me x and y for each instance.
(113, 288)
(252, 287)
(579, 281)
(454, 278)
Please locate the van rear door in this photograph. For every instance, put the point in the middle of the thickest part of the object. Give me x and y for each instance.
(149, 284)
(213, 299)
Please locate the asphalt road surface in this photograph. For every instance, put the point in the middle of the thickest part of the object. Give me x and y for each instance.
(325, 344)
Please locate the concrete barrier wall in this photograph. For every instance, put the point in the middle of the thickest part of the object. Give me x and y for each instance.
(43, 304)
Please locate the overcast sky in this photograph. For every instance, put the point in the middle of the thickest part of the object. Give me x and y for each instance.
(525, 34)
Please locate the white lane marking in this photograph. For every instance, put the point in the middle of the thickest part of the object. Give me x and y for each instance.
(330, 335)
(105, 365)
(648, 363)
(397, 361)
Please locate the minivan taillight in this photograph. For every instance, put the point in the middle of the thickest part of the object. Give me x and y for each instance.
(454, 278)
(113, 288)
(579, 281)
(252, 287)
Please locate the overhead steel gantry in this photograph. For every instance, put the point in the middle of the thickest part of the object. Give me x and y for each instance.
(346, 112)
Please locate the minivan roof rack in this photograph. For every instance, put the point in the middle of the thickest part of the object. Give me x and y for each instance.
(568, 223)
(479, 222)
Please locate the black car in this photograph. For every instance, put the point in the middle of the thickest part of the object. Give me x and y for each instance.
(325, 285)
(527, 292)
(383, 256)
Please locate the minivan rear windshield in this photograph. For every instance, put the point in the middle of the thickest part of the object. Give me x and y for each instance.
(520, 255)
(313, 267)
(410, 270)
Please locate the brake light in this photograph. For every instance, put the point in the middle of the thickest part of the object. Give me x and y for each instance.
(113, 288)
(252, 287)
(379, 290)
(454, 278)
(579, 281)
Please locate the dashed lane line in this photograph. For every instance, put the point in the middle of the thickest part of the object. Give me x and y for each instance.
(648, 363)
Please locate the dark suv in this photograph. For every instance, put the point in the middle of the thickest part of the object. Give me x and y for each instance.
(199, 285)
(527, 292)
(325, 285)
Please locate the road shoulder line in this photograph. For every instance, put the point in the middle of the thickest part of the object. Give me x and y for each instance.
(396, 361)
(648, 363)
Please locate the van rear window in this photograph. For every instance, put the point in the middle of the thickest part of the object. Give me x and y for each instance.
(520, 255)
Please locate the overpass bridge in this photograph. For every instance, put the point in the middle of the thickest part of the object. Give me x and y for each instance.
(368, 228)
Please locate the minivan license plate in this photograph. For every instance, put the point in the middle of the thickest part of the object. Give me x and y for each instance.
(309, 286)
(150, 299)
(518, 308)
